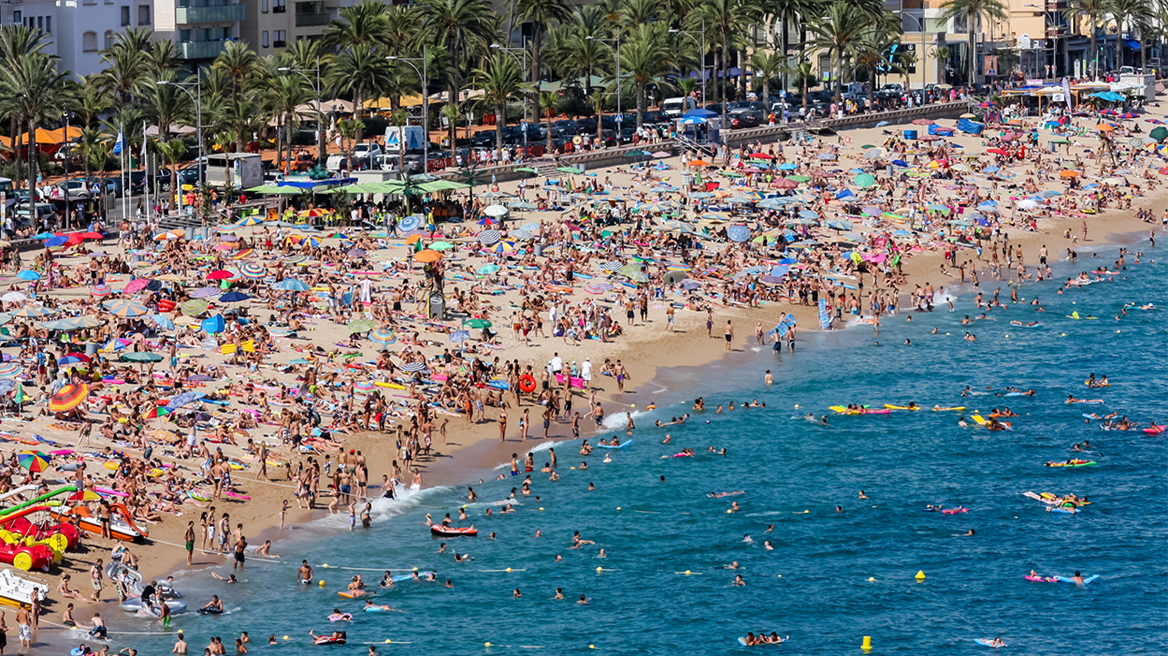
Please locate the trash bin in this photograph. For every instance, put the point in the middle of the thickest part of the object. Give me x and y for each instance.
(910, 135)
(539, 249)
(190, 233)
(91, 348)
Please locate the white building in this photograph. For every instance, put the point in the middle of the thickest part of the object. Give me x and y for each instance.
(200, 28)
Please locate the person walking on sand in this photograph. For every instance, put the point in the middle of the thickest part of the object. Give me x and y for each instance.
(95, 578)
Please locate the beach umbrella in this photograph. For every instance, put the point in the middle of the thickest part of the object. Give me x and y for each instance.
(116, 344)
(157, 411)
(136, 285)
(68, 397)
(13, 297)
(427, 256)
(34, 311)
(168, 236)
(233, 297)
(361, 325)
(738, 233)
(637, 276)
(365, 386)
(28, 275)
(414, 367)
(459, 336)
(292, 285)
(141, 357)
(34, 461)
(865, 180)
(56, 240)
(382, 336)
(101, 289)
(205, 292)
(409, 223)
(243, 254)
(1068, 174)
(1159, 133)
(501, 247)
(162, 322)
(438, 246)
(125, 308)
(808, 214)
(194, 307)
(312, 213)
(489, 237)
(673, 277)
(220, 274)
(355, 253)
(874, 153)
(253, 271)
(295, 259)
(9, 369)
(185, 398)
(611, 265)
(837, 224)
(488, 269)
(476, 323)
(495, 211)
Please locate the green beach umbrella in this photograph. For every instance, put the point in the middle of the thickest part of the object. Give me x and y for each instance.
(865, 180)
(477, 323)
(360, 325)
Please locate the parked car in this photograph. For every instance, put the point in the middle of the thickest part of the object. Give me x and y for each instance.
(297, 162)
(483, 139)
(744, 118)
(890, 90)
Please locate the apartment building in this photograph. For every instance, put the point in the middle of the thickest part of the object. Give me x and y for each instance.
(273, 24)
(200, 28)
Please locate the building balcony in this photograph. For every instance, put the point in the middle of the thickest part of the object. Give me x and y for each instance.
(201, 49)
(232, 13)
(309, 20)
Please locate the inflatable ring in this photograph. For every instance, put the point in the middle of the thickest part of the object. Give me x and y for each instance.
(526, 384)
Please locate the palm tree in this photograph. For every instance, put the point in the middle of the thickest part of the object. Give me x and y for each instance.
(16, 42)
(727, 21)
(95, 148)
(570, 50)
(362, 69)
(941, 55)
(239, 62)
(166, 104)
(767, 65)
(350, 129)
(126, 62)
(36, 91)
(646, 57)
(174, 151)
(361, 24)
(596, 99)
(1132, 12)
(547, 105)
(461, 26)
(452, 114)
(163, 56)
(804, 73)
(840, 33)
(224, 141)
(541, 14)
(784, 14)
(92, 100)
(282, 96)
(501, 80)
(402, 26)
(974, 12)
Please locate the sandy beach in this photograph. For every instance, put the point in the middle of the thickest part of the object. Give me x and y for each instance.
(463, 450)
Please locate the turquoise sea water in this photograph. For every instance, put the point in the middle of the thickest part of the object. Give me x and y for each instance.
(814, 584)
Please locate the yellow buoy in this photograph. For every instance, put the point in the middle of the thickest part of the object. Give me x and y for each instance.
(599, 570)
(796, 405)
(867, 644)
(324, 565)
(415, 569)
(285, 637)
(322, 583)
(487, 644)
(541, 509)
(387, 641)
(592, 646)
(729, 510)
(687, 572)
(618, 507)
(920, 575)
(872, 579)
(508, 569)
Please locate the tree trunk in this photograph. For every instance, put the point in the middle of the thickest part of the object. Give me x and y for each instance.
(533, 97)
(972, 55)
(500, 123)
(358, 112)
(32, 166)
(641, 108)
(548, 147)
(784, 44)
(742, 74)
(1092, 62)
(839, 76)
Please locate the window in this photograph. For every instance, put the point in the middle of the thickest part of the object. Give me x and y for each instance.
(89, 42)
(125, 16)
(207, 34)
(264, 7)
(40, 23)
(184, 36)
(264, 38)
(278, 39)
(48, 24)
(17, 17)
(110, 37)
(278, 7)
(144, 14)
(227, 34)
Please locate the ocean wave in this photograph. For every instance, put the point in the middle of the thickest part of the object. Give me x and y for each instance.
(617, 420)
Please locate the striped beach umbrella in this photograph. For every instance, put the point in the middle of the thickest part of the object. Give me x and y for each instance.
(194, 307)
(34, 311)
(253, 271)
(68, 397)
(637, 276)
(162, 322)
(205, 292)
(459, 336)
(115, 345)
(33, 461)
(501, 247)
(101, 290)
(296, 259)
(168, 236)
(360, 325)
(292, 285)
(250, 221)
(489, 237)
(611, 265)
(414, 367)
(9, 369)
(382, 336)
(243, 254)
(364, 386)
(125, 308)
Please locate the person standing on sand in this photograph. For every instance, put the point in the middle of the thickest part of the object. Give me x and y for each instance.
(729, 335)
(189, 539)
(24, 625)
(95, 579)
(502, 422)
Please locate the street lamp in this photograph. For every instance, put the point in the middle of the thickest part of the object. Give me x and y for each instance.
(68, 115)
(319, 117)
(425, 107)
(615, 52)
(198, 98)
(526, 98)
(701, 45)
(921, 30)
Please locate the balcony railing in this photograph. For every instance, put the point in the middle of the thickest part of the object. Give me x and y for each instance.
(308, 20)
(210, 14)
(201, 49)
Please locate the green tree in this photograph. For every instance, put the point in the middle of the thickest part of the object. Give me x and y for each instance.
(767, 66)
(36, 91)
(646, 57)
(452, 114)
(239, 62)
(360, 24)
(804, 74)
(126, 62)
(361, 69)
(541, 14)
(95, 148)
(596, 99)
(17, 42)
(547, 106)
(165, 104)
(174, 151)
(461, 26)
(728, 22)
(283, 95)
(501, 81)
(163, 57)
(840, 33)
(572, 53)
(973, 12)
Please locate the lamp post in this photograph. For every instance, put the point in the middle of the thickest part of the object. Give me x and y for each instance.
(526, 99)
(921, 31)
(425, 106)
(702, 45)
(319, 117)
(68, 115)
(616, 53)
(198, 98)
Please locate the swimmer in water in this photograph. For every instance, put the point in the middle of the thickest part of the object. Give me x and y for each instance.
(862, 495)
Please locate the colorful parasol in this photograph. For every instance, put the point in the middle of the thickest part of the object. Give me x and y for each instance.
(68, 397)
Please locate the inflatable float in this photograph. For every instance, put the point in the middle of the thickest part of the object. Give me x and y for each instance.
(452, 532)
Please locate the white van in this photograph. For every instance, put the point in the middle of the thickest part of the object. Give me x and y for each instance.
(675, 107)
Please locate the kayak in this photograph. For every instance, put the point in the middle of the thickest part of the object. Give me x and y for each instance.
(452, 532)
(609, 446)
